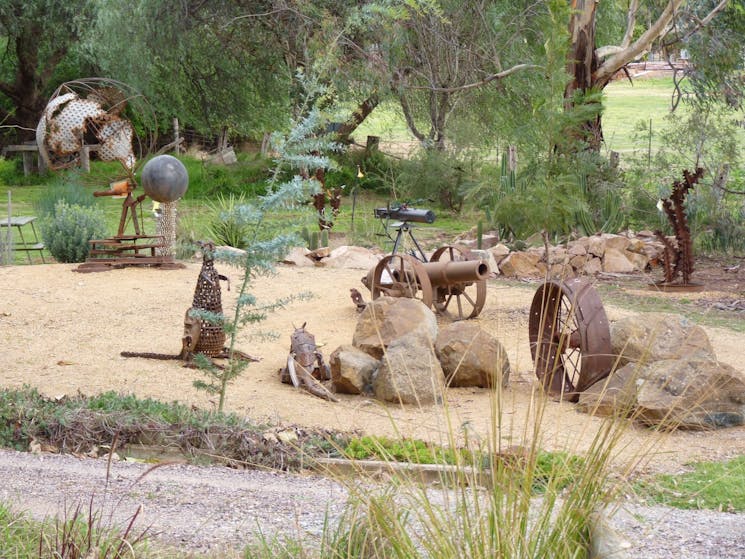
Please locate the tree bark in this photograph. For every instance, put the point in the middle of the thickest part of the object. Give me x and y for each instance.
(582, 63)
(359, 115)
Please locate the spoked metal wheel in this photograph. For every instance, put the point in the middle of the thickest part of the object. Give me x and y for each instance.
(458, 301)
(569, 337)
(401, 275)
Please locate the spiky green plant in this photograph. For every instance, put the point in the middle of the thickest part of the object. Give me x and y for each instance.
(266, 242)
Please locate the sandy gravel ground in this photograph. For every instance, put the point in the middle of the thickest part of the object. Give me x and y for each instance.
(62, 332)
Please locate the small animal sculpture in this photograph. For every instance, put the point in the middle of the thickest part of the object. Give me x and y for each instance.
(305, 365)
(201, 337)
(357, 299)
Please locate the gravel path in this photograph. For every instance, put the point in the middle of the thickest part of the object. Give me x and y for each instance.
(213, 509)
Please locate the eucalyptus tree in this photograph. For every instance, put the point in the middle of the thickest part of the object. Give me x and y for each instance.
(434, 56)
(39, 41)
(192, 61)
(637, 28)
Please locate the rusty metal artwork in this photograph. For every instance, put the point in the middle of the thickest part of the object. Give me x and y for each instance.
(200, 336)
(305, 365)
(569, 337)
(89, 115)
(451, 282)
(678, 256)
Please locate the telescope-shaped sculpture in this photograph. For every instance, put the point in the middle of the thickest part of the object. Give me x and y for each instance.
(452, 281)
(403, 213)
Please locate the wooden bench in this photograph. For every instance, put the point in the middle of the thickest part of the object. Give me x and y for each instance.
(31, 150)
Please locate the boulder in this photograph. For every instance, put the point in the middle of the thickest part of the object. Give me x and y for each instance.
(613, 395)
(638, 260)
(298, 256)
(690, 393)
(593, 266)
(615, 261)
(352, 257)
(410, 372)
(520, 264)
(499, 252)
(655, 336)
(576, 249)
(471, 356)
(487, 257)
(578, 262)
(388, 318)
(558, 255)
(596, 245)
(352, 370)
(616, 242)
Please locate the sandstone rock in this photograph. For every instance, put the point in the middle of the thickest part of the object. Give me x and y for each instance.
(690, 393)
(487, 257)
(410, 372)
(387, 318)
(558, 255)
(639, 261)
(576, 249)
(655, 336)
(319, 253)
(616, 242)
(578, 262)
(352, 257)
(352, 370)
(615, 261)
(499, 252)
(561, 271)
(596, 245)
(614, 395)
(520, 264)
(592, 266)
(636, 245)
(471, 356)
(298, 256)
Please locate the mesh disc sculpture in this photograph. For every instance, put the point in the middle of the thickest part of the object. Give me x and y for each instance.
(91, 115)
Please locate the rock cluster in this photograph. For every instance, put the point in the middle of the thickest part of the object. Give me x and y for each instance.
(624, 253)
(399, 354)
(667, 375)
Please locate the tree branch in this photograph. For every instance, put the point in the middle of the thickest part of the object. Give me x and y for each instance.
(630, 23)
(486, 80)
(617, 61)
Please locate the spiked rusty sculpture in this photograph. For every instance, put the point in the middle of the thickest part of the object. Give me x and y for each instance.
(678, 256)
(200, 336)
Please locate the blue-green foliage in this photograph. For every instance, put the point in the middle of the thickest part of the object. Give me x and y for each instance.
(67, 232)
(299, 149)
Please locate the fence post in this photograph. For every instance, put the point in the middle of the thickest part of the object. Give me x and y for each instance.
(176, 147)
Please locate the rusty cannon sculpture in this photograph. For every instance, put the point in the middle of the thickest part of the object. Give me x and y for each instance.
(453, 280)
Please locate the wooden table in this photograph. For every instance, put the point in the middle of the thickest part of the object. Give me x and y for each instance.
(27, 246)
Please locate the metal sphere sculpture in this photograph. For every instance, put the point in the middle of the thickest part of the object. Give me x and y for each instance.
(164, 178)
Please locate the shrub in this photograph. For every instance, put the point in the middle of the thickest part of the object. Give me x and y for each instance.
(66, 187)
(229, 225)
(67, 232)
(437, 177)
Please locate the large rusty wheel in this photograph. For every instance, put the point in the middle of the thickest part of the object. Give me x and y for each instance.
(569, 337)
(458, 301)
(401, 275)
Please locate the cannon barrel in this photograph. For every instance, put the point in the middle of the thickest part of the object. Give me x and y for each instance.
(449, 273)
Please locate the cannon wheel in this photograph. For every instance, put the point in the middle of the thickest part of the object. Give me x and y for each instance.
(401, 275)
(569, 337)
(458, 301)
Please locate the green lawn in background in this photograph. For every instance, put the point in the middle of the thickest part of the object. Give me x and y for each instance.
(629, 108)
